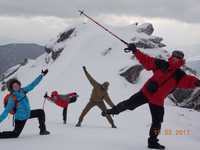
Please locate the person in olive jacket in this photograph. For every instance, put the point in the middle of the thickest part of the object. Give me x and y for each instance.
(99, 94)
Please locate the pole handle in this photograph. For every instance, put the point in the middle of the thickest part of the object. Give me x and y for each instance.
(127, 51)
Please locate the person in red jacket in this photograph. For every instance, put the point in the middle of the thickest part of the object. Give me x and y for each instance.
(62, 101)
(167, 76)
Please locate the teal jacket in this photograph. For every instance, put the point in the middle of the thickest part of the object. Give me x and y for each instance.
(23, 108)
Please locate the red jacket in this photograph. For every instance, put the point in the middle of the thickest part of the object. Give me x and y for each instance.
(157, 98)
(59, 101)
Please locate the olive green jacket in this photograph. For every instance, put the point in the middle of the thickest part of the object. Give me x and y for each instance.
(99, 93)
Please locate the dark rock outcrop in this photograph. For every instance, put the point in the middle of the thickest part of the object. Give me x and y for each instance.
(65, 35)
(147, 41)
(146, 28)
(186, 98)
(54, 51)
(56, 54)
(132, 74)
(107, 51)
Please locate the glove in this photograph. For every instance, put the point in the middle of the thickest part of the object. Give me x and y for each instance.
(44, 72)
(46, 95)
(131, 47)
(198, 83)
(84, 68)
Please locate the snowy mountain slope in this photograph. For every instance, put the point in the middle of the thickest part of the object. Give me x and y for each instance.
(195, 63)
(85, 47)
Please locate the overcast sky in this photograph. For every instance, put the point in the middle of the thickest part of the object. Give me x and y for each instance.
(178, 21)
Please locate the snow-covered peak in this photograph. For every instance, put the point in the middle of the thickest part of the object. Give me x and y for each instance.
(141, 35)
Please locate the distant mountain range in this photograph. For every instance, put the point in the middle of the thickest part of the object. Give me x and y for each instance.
(13, 54)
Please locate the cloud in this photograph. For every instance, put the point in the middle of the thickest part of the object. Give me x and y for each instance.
(183, 10)
(40, 30)
(30, 30)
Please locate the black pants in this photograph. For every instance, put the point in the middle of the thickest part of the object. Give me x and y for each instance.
(71, 100)
(65, 114)
(157, 112)
(19, 125)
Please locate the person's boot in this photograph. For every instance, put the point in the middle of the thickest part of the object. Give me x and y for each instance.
(153, 144)
(113, 111)
(64, 122)
(78, 124)
(114, 126)
(44, 132)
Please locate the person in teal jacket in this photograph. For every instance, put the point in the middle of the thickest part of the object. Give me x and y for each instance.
(23, 111)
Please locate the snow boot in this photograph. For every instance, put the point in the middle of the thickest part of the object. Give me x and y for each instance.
(44, 132)
(114, 126)
(153, 144)
(113, 111)
(78, 124)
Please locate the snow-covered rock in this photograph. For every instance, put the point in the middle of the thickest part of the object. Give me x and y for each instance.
(146, 28)
(143, 37)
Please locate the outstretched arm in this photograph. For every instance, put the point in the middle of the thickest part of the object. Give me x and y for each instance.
(147, 61)
(188, 82)
(10, 105)
(31, 86)
(90, 78)
(108, 100)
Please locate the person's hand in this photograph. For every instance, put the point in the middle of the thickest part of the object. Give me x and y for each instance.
(44, 72)
(198, 83)
(46, 95)
(131, 47)
(84, 68)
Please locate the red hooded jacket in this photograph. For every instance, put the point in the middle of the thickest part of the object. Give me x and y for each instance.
(59, 101)
(160, 76)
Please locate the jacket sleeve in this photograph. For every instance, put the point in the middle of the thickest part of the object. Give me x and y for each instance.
(147, 61)
(188, 82)
(49, 98)
(91, 79)
(10, 105)
(108, 100)
(31, 86)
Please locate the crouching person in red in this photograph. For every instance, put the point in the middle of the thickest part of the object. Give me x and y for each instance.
(63, 101)
(167, 76)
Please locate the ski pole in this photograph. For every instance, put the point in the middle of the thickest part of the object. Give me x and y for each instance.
(44, 103)
(90, 18)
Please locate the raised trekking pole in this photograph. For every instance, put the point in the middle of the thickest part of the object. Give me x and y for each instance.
(107, 30)
(45, 99)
